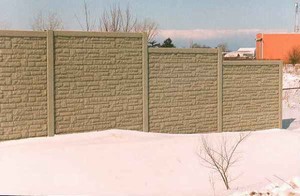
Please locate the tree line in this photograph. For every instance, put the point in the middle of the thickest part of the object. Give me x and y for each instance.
(112, 19)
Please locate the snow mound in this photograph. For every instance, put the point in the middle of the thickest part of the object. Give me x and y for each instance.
(289, 188)
(123, 162)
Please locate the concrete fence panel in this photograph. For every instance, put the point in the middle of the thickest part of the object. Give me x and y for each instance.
(183, 89)
(23, 84)
(63, 82)
(98, 81)
(251, 95)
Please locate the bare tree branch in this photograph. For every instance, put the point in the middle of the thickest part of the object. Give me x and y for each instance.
(88, 24)
(117, 20)
(291, 185)
(223, 46)
(87, 16)
(223, 159)
(50, 21)
(148, 26)
(129, 21)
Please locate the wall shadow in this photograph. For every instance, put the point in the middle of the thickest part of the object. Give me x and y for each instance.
(287, 122)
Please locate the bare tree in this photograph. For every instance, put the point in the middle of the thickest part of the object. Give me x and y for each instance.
(221, 158)
(223, 46)
(117, 20)
(88, 23)
(148, 26)
(48, 21)
(129, 21)
(114, 20)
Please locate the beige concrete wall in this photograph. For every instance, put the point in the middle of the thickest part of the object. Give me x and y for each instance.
(183, 90)
(98, 82)
(251, 95)
(23, 85)
(63, 82)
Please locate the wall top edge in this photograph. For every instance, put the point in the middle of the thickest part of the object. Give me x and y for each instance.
(17, 33)
(183, 50)
(96, 34)
(253, 62)
(21, 33)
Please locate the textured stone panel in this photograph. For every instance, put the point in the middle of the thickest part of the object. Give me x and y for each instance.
(23, 87)
(250, 97)
(183, 92)
(98, 83)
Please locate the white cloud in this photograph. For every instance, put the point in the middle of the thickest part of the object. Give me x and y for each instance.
(209, 34)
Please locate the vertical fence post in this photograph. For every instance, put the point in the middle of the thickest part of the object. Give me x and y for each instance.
(280, 94)
(50, 83)
(220, 89)
(145, 84)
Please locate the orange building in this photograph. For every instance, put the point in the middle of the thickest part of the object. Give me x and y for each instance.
(276, 46)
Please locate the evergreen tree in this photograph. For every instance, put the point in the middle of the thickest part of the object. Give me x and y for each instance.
(168, 44)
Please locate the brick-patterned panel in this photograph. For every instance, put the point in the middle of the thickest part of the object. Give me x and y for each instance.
(183, 92)
(250, 97)
(98, 83)
(23, 87)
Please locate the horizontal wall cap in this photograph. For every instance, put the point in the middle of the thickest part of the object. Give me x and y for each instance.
(96, 34)
(15, 33)
(253, 62)
(183, 50)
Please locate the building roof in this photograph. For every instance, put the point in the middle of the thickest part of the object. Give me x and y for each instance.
(241, 52)
(246, 50)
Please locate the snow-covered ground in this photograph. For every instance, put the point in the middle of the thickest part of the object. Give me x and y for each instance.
(291, 101)
(120, 162)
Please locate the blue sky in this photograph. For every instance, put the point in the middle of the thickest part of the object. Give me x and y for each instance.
(206, 22)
